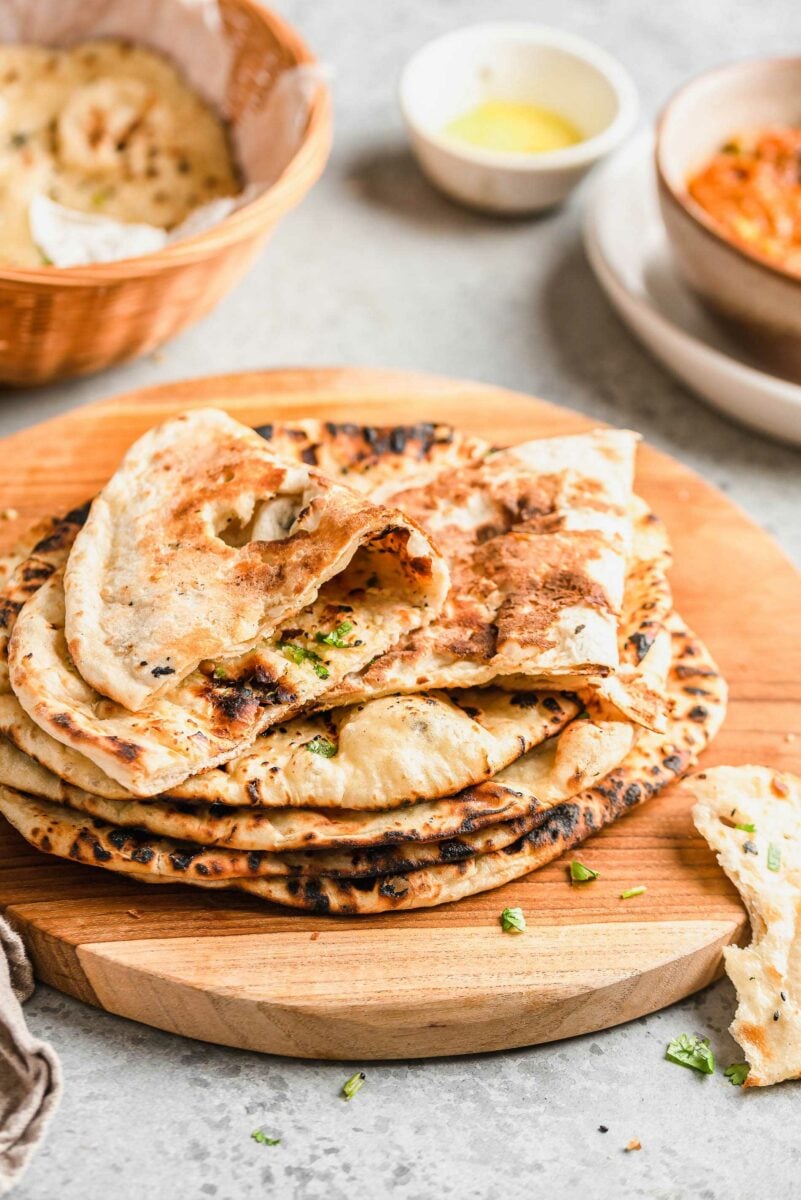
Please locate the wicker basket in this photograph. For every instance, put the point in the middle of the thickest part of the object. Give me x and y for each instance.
(59, 322)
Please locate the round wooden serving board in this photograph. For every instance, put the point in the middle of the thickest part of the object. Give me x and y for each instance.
(438, 981)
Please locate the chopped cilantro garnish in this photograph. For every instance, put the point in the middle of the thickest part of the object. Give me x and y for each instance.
(263, 1140)
(299, 654)
(693, 1052)
(774, 857)
(336, 637)
(747, 827)
(737, 1073)
(351, 1086)
(635, 891)
(513, 920)
(581, 874)
(219, 673)
(583, 715)
(323, 746)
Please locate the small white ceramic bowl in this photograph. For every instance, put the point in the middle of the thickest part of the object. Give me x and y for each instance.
(523, 63)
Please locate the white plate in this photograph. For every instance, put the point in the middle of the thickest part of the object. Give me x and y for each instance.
(628, 249)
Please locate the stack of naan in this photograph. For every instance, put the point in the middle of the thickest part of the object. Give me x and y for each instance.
(343, 668)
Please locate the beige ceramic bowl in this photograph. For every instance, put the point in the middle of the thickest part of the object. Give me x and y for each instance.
(761, 301)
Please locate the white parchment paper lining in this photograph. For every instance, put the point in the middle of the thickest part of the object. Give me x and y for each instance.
(265, 137)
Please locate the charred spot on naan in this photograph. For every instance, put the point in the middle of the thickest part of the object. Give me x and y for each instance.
(351, 446)
(236, 695)
(63, 531)
(54, 538)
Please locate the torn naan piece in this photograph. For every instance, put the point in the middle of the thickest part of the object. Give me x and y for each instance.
(204, 543)
(538, 540)
(221, 708)
(369, 460)
(751, 817)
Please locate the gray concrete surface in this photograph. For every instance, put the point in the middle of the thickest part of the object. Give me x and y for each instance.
(376, 269)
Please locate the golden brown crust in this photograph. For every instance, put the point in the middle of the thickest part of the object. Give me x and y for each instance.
(203, 543)
(537, 540)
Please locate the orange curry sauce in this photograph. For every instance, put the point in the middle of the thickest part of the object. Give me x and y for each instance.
(752, 191)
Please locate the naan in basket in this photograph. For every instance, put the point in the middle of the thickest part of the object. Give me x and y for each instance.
(203, 543)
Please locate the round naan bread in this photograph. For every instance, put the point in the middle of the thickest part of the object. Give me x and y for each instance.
(583, 753)
(129, 851)
(655, 760)
(382, 754)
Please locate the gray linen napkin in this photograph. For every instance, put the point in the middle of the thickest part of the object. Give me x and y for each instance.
(30, 1073)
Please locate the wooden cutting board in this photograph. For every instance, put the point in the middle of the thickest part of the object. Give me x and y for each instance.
(447, 980)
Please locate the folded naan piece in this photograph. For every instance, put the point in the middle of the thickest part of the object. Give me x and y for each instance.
(385, 463)
(221, 708)
(204, 542)
(387, 752)
(538, 540)
(636, 690)
(751, 816)
(382, 754)
(27, 572)
(422, 750)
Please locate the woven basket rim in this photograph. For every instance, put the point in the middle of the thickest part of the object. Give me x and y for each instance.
(298, 175)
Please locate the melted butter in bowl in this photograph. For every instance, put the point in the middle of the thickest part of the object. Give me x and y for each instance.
(514, 128)
(507, 117)
(105, 128)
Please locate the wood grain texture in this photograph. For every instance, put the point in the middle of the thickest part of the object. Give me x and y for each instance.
(439, 981)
